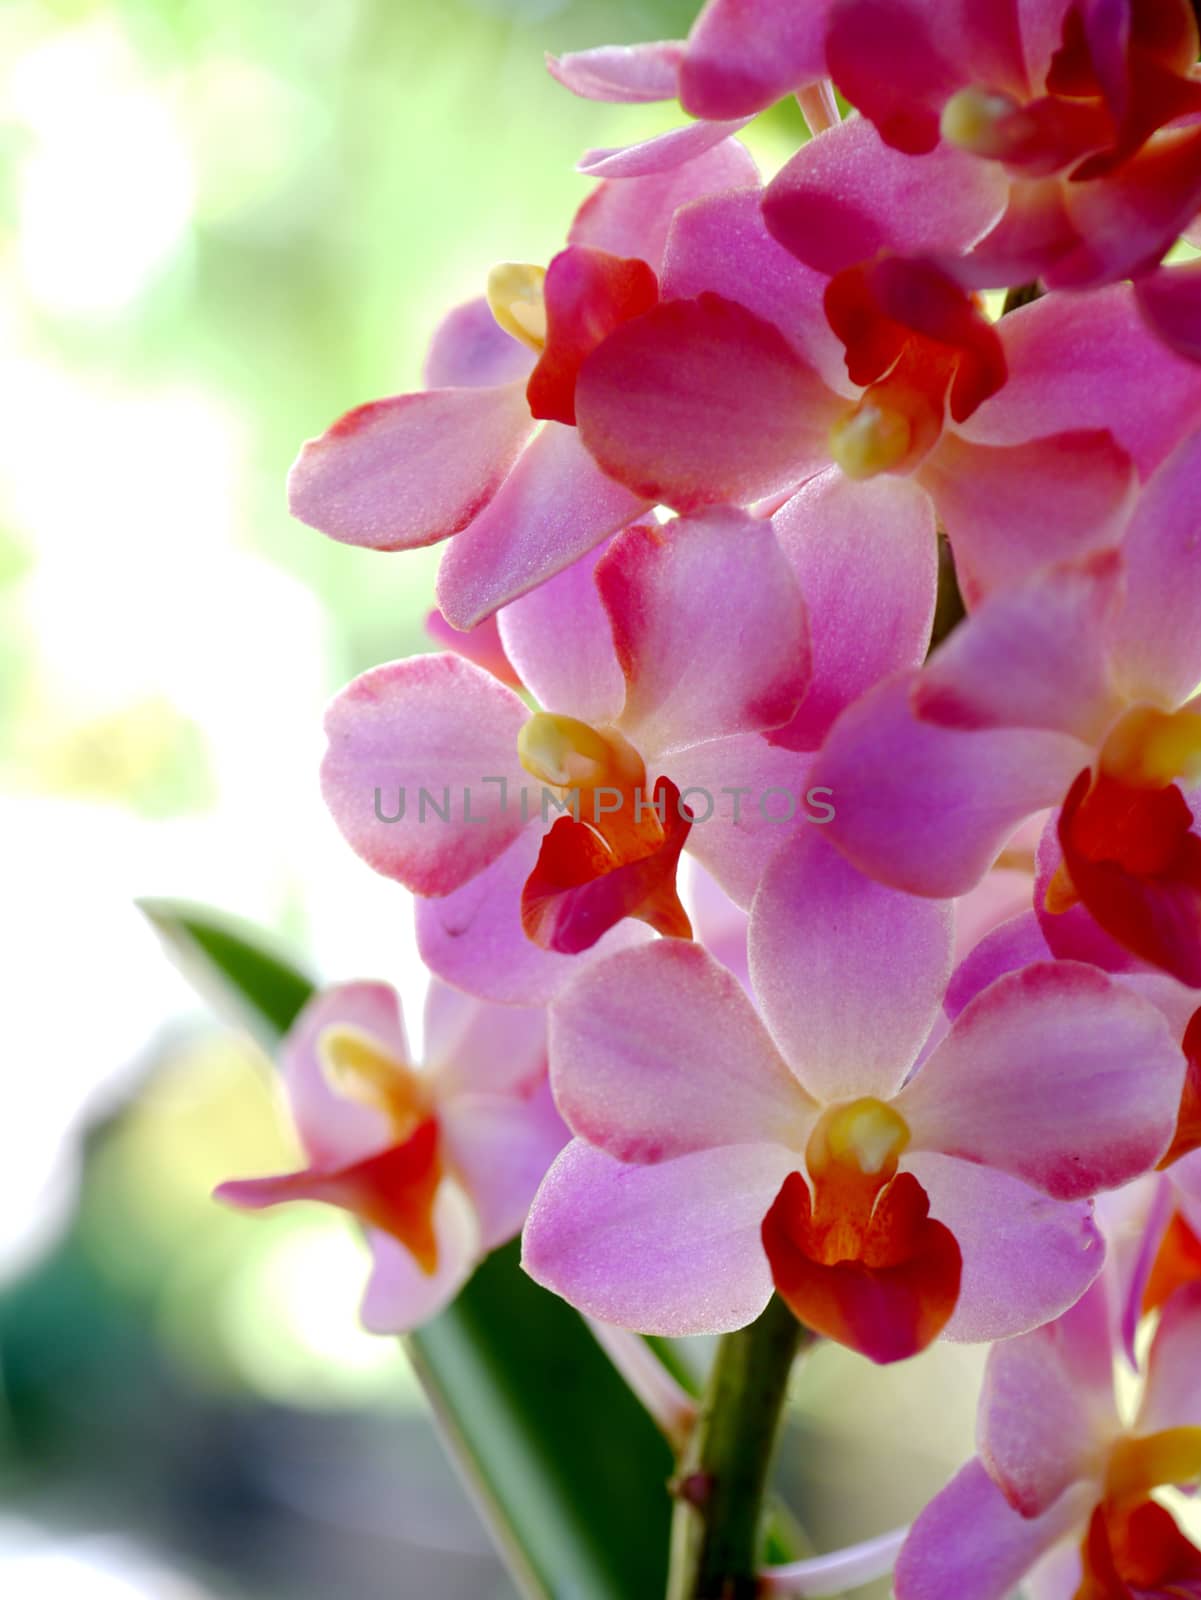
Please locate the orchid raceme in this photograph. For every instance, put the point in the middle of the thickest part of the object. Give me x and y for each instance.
(801, 805)
(724, 1154)
(439, 1161)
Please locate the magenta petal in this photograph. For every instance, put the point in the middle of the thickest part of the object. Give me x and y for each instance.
(561, 642)
(554, 507)
(1172, 1398)
(970, 1541)
(709, 627)
(929, 809)
(1170, 301)
(1026, 1258)
(672, 1249)
(632, 216)
(435, 724)
(1006, 1087)
(1156, 639)
(660, 154)
(1011, 509)
(397, 474)
(1085, 362)
(1007, 948)
(621, 74)
(1033, 656)
(849, 974)
(500, 1148)
(657, 1052)
(336, 1131)
(474, 939)
(740, 57)
(700, 401)
(399, 1295)
(867, 559)
(1048, 1404)
(474, 1048)
(470, 350)
(846, 195)
(481, 645)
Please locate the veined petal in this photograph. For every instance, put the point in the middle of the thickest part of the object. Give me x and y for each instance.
(500, 1149)
(397, 474)
(1033, 656)
(1056, 1075)
(433, 723)
(661, 153)
(470, 350)
(867, 560)
(474, 1048)
(621, 74)
(928, 809)
(700, 401)
(672, 1249)
(561, 640)
(970, 1541)
(553, 508)
(736, 64)
(1010, 510)
(846, 195)
(1007, 948)
(1026, 1258)
(850, 975)
(709, 627)
(658, 1052)
(1172, 1397)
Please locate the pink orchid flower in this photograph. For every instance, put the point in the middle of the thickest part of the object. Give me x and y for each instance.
(1077, 684)
(734, 389)
(487, 451)
(1089, 109)
(440, 1161)
(718, 1156)
(1061, 1496)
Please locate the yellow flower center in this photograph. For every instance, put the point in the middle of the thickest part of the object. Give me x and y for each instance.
(983, 122)
(1149, 748)
(569, 754)
(1138, 1465)
(357, 1067)
(870, 440)
(864, 1137)
(516, 301)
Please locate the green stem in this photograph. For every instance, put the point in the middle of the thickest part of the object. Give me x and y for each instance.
(722, 1473)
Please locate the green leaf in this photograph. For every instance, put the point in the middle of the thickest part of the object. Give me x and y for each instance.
(565, 1465)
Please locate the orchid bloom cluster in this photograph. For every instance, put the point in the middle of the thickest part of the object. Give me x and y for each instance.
(802, 810)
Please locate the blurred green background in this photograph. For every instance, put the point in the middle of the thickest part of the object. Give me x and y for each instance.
(221, 224)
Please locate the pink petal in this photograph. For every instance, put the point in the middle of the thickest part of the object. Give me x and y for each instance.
(400, 473)
(1047, 1412)
(1156, 638)
(701, 401)
(1170, 301)
(721, 244)
(1172, 1398)
(657, 1052)
(1032, 656)
(970, 1541)
(470, 350)
(1088, 361)
(929, 809)
(672, 1249)
(474, 939)
(709, 627)
(632, 216)
(740, 57)
(559, 636)
(867, 559)
(500, 1149)
(399, 1295)
(336, 1131)
(481, 644)
(554, 507)
(1007, 948)
(433, 723)
(660, 154)
(899, 61)
(1007, 1085)
(846, 195)
(747, 796)
(1011, 509)
(473, 1048)
(850, 975)
(621, 74)
(1026, 1258)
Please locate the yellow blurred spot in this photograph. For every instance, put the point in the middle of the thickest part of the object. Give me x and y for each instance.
(358, 1068)
(1149, 748)
(981, 122)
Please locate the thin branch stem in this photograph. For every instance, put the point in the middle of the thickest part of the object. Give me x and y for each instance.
(669, 1406)
(723, 1472)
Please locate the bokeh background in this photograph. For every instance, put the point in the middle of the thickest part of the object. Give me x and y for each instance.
(221, 224)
